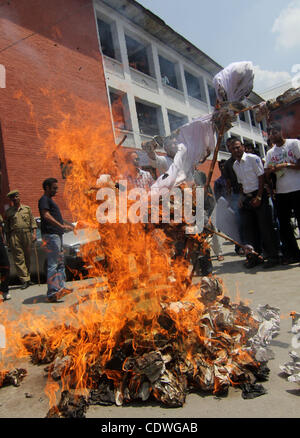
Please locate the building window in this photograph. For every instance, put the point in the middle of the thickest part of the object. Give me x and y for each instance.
(120, 110)
(148, 119)
(168, 72)
(236, 137)
(137, 55)
(195, 86)
(223, 142)
(258, 150)
(252, 118)
(212, 95)
(106, 38)
(242, 117)
(176, 121)
(65, 167)
(248, 144)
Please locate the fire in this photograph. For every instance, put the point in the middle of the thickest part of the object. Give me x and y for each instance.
(145, 323)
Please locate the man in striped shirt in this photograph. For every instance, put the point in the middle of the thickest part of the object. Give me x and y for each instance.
(137, 177)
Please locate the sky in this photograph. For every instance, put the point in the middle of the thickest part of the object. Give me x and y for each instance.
(266, 32)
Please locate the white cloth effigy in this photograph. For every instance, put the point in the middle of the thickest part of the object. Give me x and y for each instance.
(232, 84)
(195, 139)
(235, 82)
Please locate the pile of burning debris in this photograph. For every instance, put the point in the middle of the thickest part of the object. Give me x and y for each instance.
(153, 333)
(204, 342)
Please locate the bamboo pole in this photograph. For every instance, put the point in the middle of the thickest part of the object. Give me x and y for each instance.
(216, 151)
(231, 240)
(122, 141)
(214, 160)
(248, 108)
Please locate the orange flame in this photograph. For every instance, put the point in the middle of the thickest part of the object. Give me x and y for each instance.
(135, 276)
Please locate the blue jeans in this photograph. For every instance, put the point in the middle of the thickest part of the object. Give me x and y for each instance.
(56, 275)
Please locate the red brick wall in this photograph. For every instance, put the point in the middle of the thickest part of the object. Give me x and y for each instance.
(43, 46)
(216, 173)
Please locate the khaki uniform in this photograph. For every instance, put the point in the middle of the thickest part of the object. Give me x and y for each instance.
(19, 225)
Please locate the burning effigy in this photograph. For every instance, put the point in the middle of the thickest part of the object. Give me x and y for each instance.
(146, 330)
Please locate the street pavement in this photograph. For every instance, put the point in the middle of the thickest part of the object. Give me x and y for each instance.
(279, 287)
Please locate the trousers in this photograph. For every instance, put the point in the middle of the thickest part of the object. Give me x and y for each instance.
(286, 204)
(20, 245)
(258, 227)
(56, 275)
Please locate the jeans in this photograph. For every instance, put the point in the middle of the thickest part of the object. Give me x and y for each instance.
(56, 275)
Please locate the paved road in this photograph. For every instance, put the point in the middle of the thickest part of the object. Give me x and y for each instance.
(278, 287)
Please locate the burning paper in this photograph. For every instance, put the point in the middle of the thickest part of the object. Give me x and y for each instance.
(146, 332)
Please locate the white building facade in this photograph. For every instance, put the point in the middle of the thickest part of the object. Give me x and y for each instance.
(156, 80)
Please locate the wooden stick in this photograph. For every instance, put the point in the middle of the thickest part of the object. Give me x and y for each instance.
(231, 240)
(214, 160)
(220, 136)
(122, 141)
(248, 108)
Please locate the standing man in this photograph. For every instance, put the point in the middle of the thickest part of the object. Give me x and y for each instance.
(256, 211)
(233, 192)
(220, 186)
(4, 265)
(21, 232)
(53, 228)
(283, 160)
(210, 219)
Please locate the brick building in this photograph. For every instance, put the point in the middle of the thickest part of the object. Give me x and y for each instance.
(43, 46)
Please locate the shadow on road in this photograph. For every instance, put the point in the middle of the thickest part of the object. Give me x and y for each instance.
(37, 299)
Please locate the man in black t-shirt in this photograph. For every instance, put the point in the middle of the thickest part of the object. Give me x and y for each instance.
(52, 229)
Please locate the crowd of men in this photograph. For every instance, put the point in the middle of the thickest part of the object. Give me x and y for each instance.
(264, 197)
(18, 232)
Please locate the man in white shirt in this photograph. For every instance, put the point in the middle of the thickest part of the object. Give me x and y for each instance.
(283, 160)
(256, 212)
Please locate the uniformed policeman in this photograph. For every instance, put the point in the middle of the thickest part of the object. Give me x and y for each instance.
(21, 232)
